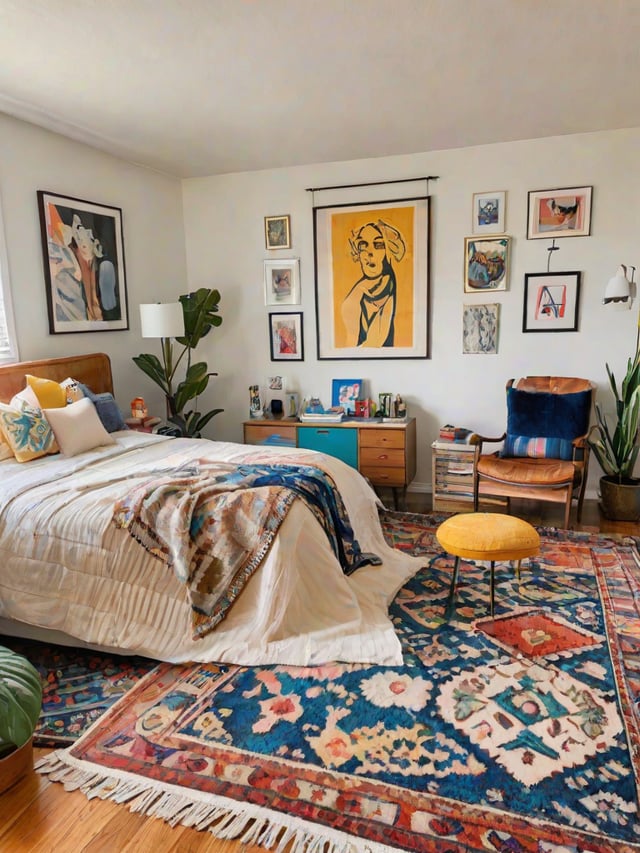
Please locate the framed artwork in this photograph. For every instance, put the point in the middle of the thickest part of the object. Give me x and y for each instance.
(486, 263)
(345, 392)
(480, 329)
(285, 336)
(83, 255)
(277, 232)
(559, 213)
(551, 302)
(282, 282)
(489, 212)
(372, 279)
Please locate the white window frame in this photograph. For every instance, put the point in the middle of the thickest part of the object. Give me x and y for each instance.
(10, 353)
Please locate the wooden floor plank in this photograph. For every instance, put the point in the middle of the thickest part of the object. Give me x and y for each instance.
(38, 816)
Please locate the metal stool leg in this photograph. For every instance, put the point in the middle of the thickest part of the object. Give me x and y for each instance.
(492, 586)
(452, 588)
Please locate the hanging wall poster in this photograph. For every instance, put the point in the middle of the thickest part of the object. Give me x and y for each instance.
(372, 279)
(551, 302)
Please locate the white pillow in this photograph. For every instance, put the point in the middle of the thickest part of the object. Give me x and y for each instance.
(26, 397)
(77, 427)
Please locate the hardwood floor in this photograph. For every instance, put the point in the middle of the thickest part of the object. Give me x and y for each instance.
(39, 816)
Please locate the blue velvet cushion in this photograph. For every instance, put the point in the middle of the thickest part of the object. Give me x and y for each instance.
(107, 409)
(540, 424)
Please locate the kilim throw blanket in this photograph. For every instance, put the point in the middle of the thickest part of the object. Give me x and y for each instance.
(213, 524)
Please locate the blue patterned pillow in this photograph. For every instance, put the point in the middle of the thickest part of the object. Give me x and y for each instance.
(27, 432)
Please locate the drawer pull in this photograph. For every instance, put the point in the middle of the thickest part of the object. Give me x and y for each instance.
(383, 456)
(322, 432)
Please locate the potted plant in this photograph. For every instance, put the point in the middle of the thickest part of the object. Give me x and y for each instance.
(617, 450)
(200, 316)
(20, 705)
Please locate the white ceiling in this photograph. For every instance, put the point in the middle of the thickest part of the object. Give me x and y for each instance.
(202, 87)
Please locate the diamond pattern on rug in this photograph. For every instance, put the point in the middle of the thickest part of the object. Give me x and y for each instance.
(536, 634)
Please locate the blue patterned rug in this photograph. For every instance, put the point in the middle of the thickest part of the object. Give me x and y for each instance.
(513, 733)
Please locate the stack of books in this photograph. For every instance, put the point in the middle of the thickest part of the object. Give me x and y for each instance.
(453, 433)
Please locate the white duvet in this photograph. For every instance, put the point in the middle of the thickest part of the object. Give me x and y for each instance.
(65, 567)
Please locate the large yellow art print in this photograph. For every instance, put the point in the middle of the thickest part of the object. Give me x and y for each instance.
(372, 279)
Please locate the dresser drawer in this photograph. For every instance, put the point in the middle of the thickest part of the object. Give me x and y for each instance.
(384, 457)
(382, 438)
(270, 434)
(336, 441)
(381, 476)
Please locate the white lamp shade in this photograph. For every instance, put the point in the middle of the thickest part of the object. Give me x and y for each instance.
(618, 287)
(162, 320)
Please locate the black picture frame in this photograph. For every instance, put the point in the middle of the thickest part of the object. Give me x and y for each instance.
(551, 301)
(84, 266)
(286, 336)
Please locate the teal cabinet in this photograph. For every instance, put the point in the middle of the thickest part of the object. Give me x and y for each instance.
(336, 441)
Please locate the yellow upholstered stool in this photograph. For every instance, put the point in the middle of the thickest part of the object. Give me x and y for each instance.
(486, 536)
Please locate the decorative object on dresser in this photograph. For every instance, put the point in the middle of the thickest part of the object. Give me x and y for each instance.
(277, 232)
(345, 393)
(551, 302)
(188, 321)
(384, 453)
(83, 253)
(559, 213)
(372, 279)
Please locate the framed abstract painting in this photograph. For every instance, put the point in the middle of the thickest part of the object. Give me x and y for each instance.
(551, 302)
(83, 254)
(559, 213)
(489, 212)
(285, 337)
(486, 263)
(372, 279)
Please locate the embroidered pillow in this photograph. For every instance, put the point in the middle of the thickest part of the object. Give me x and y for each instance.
(72, 390)
(50, 394)
(77, 428)
(107, 409)
(5, 451)
(537, 448)
(27, 433)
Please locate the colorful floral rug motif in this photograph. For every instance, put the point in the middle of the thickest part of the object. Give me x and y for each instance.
(516, 733)
(78, 686)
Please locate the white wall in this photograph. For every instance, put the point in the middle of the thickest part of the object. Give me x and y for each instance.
(223, 221)
(32, 159)
(225, 249)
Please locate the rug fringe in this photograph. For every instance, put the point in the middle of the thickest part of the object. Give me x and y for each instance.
(223, 818)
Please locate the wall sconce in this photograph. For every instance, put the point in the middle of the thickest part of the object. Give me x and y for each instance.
(620, 288)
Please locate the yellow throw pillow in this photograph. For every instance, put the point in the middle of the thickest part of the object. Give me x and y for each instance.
(50, 394)
(27, 433)
(5, 451)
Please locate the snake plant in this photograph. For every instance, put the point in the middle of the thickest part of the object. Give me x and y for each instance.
(617, 450)
(20, 700)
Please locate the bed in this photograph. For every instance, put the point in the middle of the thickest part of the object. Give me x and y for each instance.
(69, 574)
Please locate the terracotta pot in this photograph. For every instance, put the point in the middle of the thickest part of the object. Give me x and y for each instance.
(15, 765)
(620, 501)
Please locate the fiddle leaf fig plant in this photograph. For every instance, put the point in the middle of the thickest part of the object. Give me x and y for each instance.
(617, 450)
(20, 700)
(200, 310)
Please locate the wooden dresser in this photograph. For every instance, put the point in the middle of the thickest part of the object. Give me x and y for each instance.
(384, 453)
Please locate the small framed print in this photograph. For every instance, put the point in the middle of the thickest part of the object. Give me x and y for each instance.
(277, 232)
(480, 329)
(489, 212)
(285, 336)
(486, 263)
(345, 393)
(282, 282)
(551, 302)
(559, 213)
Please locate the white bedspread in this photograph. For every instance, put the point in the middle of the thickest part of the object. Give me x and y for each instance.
(65, 567)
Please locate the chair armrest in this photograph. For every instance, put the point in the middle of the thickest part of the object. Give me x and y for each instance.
(479, 440)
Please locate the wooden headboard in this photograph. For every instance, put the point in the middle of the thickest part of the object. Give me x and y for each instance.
(93, 370)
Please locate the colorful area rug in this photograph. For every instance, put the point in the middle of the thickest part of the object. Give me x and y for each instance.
(78, 686)
(512, 733)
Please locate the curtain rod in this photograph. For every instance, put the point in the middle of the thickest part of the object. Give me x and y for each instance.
(374, 183)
